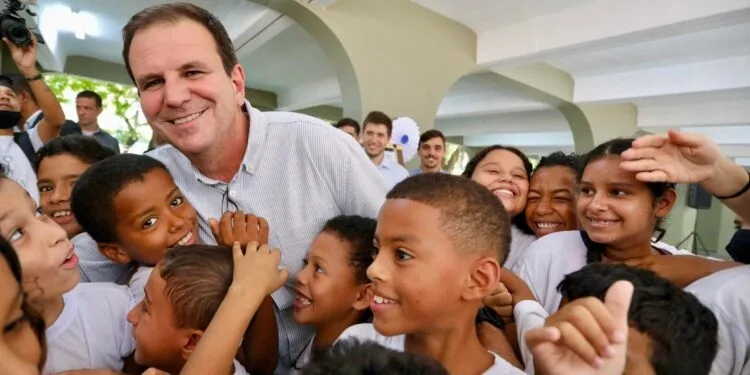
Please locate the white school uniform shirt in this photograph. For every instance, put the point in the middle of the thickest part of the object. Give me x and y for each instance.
(17, 166)
(92, 332)
(519, 242)
(95, 267)
(546, 262)
(367, 332)
(304, 359)
(137, 283)
(726, 294)
(238, 369)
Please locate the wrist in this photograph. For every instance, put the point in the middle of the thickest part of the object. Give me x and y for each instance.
(727, 178)
(28, 72)
(245, 293)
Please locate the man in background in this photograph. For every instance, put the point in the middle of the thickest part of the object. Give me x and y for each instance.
(88, 109)
(376, 133)
(431, 152)
(349, 126)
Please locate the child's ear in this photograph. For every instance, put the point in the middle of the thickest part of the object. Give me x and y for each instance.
(363, 298)
(665, 203)
(483, 278)
(194, 336)
(114, 253)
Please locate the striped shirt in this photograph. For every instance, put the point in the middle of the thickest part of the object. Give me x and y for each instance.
(297, 173)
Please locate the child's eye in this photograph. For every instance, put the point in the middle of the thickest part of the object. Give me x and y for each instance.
(402, 255)
(177, 201)
(319, 270)
(618, 192)
(143, 307)
(374, 252)
(305, 262)
(45, 189)
(150, 222)
(15, 235)
(586, 191)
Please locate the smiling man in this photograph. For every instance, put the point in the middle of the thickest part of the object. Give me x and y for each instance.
(431, 152)
(225, 155)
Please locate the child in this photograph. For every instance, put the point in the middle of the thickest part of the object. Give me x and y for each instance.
(439, 242)
(350, 357)
(183, 294)
(131, 206)
(552, 190)
(60, 163)
(85, 323)
(22, 339)
(671, 332)
(332, 286)
(618, 216)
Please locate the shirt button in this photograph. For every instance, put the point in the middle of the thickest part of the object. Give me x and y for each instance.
(232, 194)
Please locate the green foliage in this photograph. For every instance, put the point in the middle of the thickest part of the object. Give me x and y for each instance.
(122, 99)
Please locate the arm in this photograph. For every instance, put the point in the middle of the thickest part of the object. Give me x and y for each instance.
(54, 118)
(360, 189)
(259, 352)
(256, 275)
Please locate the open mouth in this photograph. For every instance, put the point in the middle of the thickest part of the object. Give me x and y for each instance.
(503, 192)
(601, 223)
(187, 239)
(301, 300)
(71, 260)
(548, 225)
(186, 119)
(380, 300)
(62, 216)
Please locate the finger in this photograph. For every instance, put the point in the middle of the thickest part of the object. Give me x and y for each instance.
(225, 226)
(596, 324)
(577, 343)
(237, 254)
(252, 246)
(239, 227)
(499, 300)
(617, 302)
(542, 335)
(687, 139)
(657, 140)
(263, 230)
(648, 153)
(283, 275)
(251, 227)
(640, 165)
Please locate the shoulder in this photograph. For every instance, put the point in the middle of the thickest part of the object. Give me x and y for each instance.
(308, 132)
(555, 245)
(102, 296)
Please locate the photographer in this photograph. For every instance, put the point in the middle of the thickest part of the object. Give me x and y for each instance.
(18, 94)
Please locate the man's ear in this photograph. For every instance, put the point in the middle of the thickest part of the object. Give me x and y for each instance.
(114, 253)
(482, 279)
(363, 298)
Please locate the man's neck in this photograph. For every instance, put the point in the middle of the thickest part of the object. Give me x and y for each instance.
(222, 160)
(89, 128)
(51, 309)
(458, 350)
(435, 169)
(378, 159)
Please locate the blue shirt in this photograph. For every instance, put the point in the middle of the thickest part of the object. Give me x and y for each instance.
(392, 171)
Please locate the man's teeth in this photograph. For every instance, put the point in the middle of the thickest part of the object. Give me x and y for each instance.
(303, 300)
(382, 300)
(185, 240)
(62, 213)
(548, 225)
(186, 118)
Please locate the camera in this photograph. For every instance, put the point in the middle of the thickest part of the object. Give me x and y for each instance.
(13, 26)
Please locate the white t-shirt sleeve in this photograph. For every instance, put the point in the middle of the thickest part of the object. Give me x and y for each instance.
(528, 315)
(137, 283)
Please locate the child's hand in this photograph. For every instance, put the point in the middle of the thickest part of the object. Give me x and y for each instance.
(585, 337)
(258, 267)
(511, 291)
(236, 226)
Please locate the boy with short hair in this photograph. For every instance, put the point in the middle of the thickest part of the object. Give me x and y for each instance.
(182, 296)
(440, 240)
(129, 204)
(60, 163)
(671, 332)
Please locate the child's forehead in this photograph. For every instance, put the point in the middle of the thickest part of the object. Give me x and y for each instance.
(155, 183)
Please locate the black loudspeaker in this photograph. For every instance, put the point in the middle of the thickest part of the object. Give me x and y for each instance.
(698, 198)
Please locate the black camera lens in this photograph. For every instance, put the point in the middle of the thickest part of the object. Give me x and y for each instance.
(15, 31)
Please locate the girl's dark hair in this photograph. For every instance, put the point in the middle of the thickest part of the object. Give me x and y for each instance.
(33, 316)
(616, 147)
(519, 221)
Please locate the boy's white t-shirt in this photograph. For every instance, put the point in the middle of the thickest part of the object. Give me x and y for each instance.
(546, 262)
(17, 166)
(726, 294)
(92, 332)
(137, 283)
(519, 243)
(238, 369)
(367, 332)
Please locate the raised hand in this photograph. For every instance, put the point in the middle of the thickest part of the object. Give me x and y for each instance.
(24, 56)
(676, 157)
(257, 267)
(237, 226)
(585, 338)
